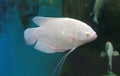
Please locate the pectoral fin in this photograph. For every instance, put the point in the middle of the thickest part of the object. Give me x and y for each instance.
(103, 54)
(115, 53)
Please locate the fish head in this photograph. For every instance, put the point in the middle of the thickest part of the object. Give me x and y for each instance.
(109, 47)
(108, 44)
(86, 34)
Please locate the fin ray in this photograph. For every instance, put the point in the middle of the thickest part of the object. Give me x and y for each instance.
(62, 61)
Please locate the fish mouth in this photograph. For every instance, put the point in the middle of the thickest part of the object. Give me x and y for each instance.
(94, 37)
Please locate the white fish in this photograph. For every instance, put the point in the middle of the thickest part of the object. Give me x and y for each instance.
(58, 35)
(109, 51)
(96, 10)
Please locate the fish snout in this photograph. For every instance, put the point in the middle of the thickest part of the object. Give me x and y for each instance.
(94, 36)
(91, 38)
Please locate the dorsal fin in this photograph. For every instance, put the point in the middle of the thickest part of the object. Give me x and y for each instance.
(39, 20)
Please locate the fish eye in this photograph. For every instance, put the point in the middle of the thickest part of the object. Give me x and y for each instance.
(87, 34)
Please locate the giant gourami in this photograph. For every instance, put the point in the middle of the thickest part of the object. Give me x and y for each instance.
(58, 35)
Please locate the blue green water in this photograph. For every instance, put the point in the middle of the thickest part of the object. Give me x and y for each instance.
(16, 58)
(19, 59)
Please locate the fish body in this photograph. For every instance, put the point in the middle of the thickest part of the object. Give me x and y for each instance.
(58, 34)
(96, 10)
(109, 51)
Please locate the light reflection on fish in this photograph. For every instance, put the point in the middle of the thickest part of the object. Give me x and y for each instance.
(58, 35)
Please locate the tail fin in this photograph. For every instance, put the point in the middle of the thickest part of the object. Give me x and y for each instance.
(30, 36)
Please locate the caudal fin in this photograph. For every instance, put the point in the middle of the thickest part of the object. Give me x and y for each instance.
(30, 36)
